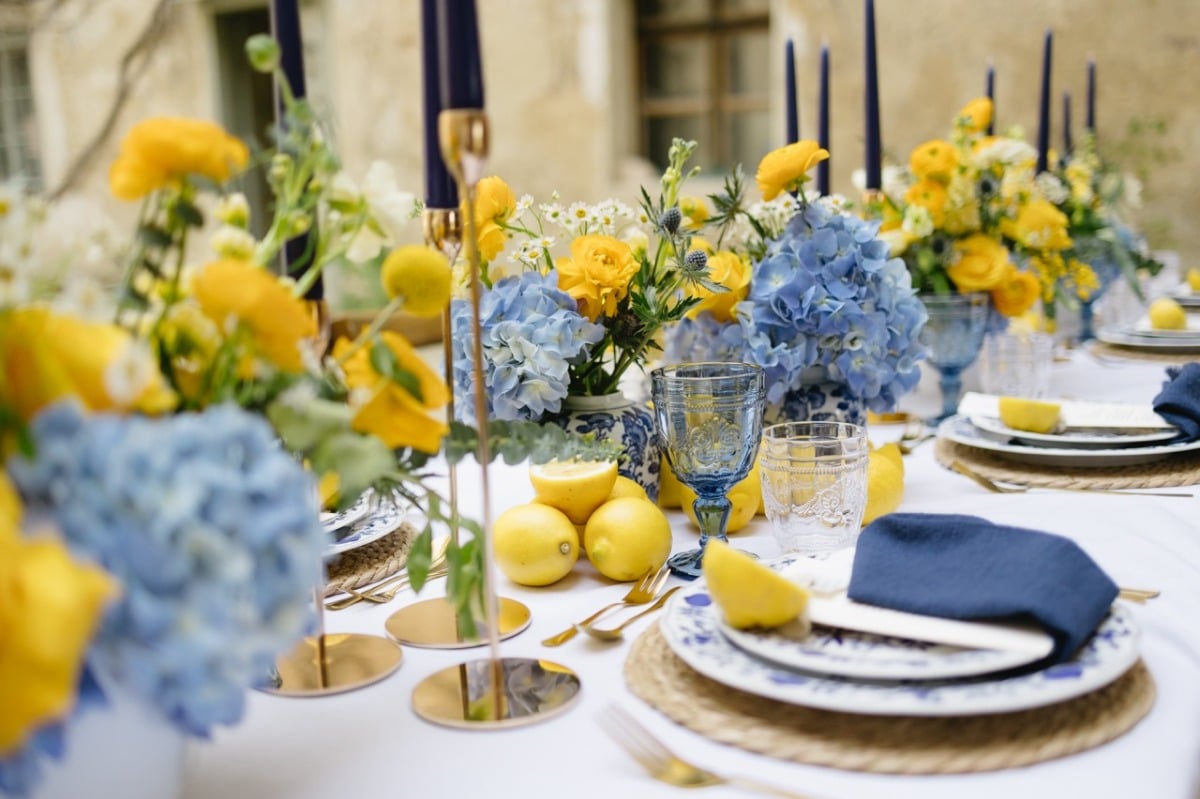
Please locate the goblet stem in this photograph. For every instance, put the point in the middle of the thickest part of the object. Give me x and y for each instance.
(712, 514)
(951, 385)
(1086, 331)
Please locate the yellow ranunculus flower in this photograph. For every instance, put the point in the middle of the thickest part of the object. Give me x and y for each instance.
(728, 269)
(240, 293)
(695, 211)
(161, 151)
(980, 263)
(45, 358)
(597, 274)
(702, 244)
(1016, 292)
(419, 274)
(1039, 226)
(930, 195)
(933, 160)
(50, 607)
(976, 115)
(786, 168)
(494, 204)
(387, 410)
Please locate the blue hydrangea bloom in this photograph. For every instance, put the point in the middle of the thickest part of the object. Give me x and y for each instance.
(208, 524)
(826, 294)
(532, 333)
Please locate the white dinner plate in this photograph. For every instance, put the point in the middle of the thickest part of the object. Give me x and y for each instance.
(1186, 297)
(1124, 337)
(960, 430)
(848, 653)
(1093, 438)
(381, 518)
(1191, 330)
(691, 628)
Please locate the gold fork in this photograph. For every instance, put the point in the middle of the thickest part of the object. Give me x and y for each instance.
(643, 591)
(666, 766)
(615, 633)
(1001, 488)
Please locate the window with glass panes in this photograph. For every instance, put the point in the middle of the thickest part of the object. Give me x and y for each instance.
(703, 67)
(18, 156)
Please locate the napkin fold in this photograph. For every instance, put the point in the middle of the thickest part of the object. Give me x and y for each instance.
(965, 567)
(1179, 400)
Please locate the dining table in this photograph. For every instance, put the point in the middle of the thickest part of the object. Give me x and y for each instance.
(370, 744)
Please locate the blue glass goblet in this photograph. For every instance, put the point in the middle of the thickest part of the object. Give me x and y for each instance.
(953, 335)
(709, 421)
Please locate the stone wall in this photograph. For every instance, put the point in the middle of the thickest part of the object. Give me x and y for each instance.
(559, 82)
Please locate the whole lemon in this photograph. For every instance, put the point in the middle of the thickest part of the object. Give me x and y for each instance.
(668, 486)
(574, 487)
(535, 544)
(627, 537)
(746, 498)
(1035, 416)
(748, 593)
(885, 483)
(624, 487)
(1193, 280)
(1166, 314)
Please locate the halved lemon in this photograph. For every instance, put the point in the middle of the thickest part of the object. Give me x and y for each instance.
(574, 487)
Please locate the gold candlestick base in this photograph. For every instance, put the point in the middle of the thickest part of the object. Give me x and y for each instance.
(461, 696)
(351, 661)
(433, 624)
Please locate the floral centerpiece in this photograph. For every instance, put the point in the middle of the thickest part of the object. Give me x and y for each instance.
(165, 445)
(810, 295)
(583, 298)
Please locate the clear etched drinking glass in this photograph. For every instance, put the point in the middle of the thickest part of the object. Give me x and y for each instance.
(709, 422)
(814, 484)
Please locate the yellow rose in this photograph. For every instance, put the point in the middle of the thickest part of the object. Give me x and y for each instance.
(597, 274)
(388, 410)
(728, 269)
(930, 195)
(933, 160)
(1016, 292)
(786, 168)
(1039, 226)
(248, 295)
(49, 609)
(421, 275)
(980, 263)
(161, 151)
(976, 115)
(45, 358)
(494, 205)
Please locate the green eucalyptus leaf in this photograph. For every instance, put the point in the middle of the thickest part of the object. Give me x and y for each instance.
(359, 460)
(303, 426)
(189, 213)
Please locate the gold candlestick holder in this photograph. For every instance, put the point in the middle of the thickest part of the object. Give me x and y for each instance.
(434, 623)
(494, 692)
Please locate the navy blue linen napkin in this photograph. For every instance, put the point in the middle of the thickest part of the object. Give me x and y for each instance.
(1179, 400)
(965, 567)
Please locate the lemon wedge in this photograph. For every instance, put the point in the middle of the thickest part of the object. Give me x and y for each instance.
(1034, 416)
(1166, 314)
(885, 482)
(748, 593)
(1193, 280)
(574, 487)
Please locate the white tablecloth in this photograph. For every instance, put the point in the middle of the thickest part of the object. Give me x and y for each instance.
(370, 744)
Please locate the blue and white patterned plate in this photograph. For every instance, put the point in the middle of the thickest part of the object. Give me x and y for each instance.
(380, 518)
(848, 653)
(691, 628)
(960, 430)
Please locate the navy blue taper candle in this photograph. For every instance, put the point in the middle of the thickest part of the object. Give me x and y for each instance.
(874, 157)
(285, 27)
(1067, 147)
(823, 122)
(789, 93)
(440, 191)
(1091, 97)
(990, 91)
(1043, 139)
(459, 62)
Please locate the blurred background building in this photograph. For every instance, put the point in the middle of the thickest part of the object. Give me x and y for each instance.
(585, 95)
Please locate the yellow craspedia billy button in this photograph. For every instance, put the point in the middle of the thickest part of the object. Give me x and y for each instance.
(421, 276)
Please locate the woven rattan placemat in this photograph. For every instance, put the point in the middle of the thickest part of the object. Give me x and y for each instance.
(884, 744)
(371, 562)
(1177, 470)
(1103, 350)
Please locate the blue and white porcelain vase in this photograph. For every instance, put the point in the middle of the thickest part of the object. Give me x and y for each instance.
(818, 399)
(615, 417)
